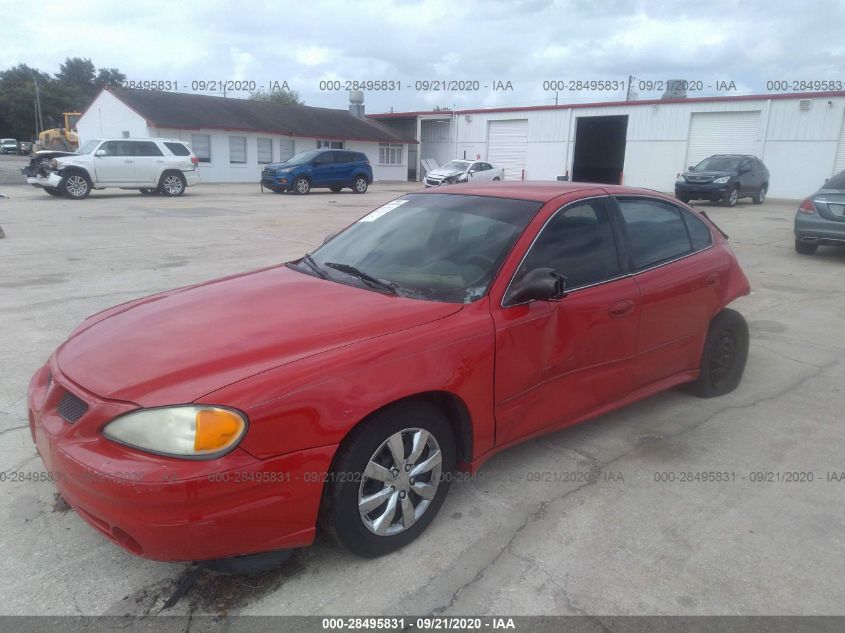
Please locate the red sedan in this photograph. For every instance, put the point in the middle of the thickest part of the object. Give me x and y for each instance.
(343, 389)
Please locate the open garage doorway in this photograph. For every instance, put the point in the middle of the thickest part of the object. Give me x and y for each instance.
(600, 149)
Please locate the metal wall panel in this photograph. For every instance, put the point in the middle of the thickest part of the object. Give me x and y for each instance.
(839, 161)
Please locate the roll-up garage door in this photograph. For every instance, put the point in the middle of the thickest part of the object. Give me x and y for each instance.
(722, 133)
(285, 149)
(839, 162)
(507, 143)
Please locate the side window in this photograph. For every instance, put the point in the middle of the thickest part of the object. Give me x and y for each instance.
(324, 159)
(108, 148)
(578, 243)
(146, 148)
(699, 232)
(118, 148)
(745, 165)
(476, 167)
(177, 149)
(655, 230)
(487, 166)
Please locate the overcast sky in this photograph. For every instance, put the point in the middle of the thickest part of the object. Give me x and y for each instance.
(525, 42)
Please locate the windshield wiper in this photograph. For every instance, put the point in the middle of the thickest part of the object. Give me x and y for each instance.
(322, 274)
(365, 277)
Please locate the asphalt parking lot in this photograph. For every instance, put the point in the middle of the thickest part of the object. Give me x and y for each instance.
(618, 543)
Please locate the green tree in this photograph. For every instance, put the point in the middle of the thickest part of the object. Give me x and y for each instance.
(278, 97)
(17, 100)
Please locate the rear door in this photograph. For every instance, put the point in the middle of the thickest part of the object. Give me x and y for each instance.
(114, 163)
(679, 275)
(558, 361)
(344, 163)
(149, 162)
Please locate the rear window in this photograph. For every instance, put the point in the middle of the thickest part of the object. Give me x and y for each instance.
(698, 232)
(146, 148)
(837, 182)
(655, 229)
(177, 149)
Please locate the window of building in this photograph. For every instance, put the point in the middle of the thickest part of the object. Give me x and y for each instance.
(324, 144)
(265, 150)
(237, 149)
(390, 153)
(201, 144)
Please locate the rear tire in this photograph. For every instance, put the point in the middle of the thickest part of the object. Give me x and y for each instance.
(359, 185)
(724, 357)
(496, 179)
(371, 516)
(75, 185)
(805, 248)
(172, 184)
(760, 196)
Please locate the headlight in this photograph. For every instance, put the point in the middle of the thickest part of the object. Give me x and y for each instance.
(184, 431)
(54, 164)
(681, 178)
(722, 180)
(285, 170)
(462, 178)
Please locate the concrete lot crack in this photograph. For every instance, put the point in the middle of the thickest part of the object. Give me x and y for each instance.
(14, 428)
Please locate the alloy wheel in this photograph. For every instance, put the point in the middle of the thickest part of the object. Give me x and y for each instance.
(400, 481)
(76, 186)
(361, 185)
(733, 197)
(172, 184)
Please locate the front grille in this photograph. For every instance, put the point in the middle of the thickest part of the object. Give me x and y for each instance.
(71, 408)
(699, 179)
(432, 181)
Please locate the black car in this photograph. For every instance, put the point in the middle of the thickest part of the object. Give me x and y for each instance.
(725, 178)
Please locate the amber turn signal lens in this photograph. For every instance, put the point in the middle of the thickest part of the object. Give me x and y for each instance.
(216, 429)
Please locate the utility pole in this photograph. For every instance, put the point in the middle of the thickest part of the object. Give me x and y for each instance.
(39, 121)
(630, 87)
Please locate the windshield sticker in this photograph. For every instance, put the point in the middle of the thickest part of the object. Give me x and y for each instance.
(387, 208)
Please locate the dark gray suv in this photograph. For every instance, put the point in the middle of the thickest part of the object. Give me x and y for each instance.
(724, 178)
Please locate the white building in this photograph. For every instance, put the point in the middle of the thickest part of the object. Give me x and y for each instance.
(235, 138)
(800, 138)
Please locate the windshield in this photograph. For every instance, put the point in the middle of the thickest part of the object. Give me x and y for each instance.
(456, 164)
(303, 157)
(837, 182)
(8, 141)
(88, 147)
(718, 163)
(439, 247)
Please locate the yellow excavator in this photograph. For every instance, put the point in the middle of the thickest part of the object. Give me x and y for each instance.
(60, 138)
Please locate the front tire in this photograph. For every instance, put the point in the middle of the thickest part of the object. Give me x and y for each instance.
(724, 357)
(684, 199)
(390, 478)
(760, 196)
(53, 191)
(359, 185)
(805, 248)
(731, 197)
(496, 179)
(148, 191)
(301, 186)
(75, 185)
(172, 184)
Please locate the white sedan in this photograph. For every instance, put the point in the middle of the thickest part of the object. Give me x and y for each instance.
(463, 171)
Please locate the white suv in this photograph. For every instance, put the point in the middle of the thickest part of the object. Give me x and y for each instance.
(151, 165)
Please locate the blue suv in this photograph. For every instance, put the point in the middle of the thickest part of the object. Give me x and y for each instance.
(322, 168)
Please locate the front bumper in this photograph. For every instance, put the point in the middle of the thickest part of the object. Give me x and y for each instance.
(166, 508)
(813, 228)
(51, 180)
(277, 181)
(704, 191)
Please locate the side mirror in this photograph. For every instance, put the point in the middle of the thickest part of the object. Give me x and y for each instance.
(691, 168)
(540, 284)
(744, 170)
(100, 152)
(328, 237)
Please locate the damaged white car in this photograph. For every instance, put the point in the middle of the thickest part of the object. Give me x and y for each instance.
(153, 166)
(463, 171)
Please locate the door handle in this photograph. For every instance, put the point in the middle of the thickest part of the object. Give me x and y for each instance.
(127, 161)
(621, 309)
(712, 279)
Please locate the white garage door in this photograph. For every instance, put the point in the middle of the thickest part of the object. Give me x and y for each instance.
(722, 133)
(839, 163)
(285, 149)
(507, 143)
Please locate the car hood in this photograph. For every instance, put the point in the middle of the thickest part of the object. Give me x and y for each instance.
(180, 345)
(710, 173)
(48, 154)
(441, 172)
(281, 165)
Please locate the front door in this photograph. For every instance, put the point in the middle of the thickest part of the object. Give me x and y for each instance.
(114, 163)
(558, 361)
(323, 170)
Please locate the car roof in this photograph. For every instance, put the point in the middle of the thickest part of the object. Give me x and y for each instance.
(538, 190)
(138, 138)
